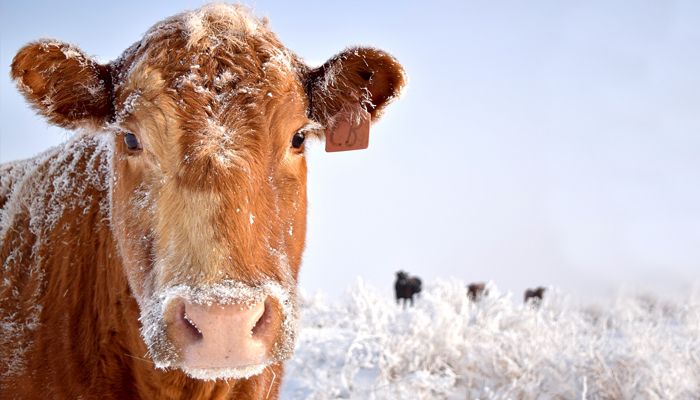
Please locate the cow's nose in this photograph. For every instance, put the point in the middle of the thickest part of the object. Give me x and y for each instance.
(220, 336)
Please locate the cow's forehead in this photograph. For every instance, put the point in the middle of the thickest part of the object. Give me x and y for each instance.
(217, 49)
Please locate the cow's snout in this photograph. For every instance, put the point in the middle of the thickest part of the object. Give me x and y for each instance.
(221, 335)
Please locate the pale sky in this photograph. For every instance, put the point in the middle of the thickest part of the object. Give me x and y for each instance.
(539, 142)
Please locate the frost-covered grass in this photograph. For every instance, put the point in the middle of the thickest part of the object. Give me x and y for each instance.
(447, 347)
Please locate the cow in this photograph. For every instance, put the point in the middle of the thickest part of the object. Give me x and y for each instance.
(477, 290)
(534, 296)
(406, 287)
(155, 254)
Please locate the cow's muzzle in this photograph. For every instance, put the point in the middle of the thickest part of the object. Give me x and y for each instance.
(214, 336)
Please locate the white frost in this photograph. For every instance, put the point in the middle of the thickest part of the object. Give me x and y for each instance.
(447, 347)
(42, 189)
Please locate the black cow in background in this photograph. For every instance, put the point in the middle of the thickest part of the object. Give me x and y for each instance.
(406, 286)
(534, 296)
(477, 290)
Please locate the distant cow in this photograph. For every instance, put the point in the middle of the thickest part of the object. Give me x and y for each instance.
(475, 291)
(156, 253)
(534, 296)
(406, 286)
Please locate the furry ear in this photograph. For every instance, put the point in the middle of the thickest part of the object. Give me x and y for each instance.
(353, 82)
(63, 84)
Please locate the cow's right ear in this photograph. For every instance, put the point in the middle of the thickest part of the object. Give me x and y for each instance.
(63, 84)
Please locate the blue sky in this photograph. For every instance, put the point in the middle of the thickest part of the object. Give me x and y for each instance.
(541, 142)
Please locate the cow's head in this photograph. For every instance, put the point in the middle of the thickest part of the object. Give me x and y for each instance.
(401, 275)
(210, 113)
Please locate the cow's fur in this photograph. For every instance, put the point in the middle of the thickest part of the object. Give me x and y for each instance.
(406, 287)
(95, 238)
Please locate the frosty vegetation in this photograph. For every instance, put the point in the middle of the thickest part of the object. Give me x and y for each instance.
(448, 347)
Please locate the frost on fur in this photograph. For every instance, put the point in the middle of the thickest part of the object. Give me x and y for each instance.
(25, 193)
(63, 84)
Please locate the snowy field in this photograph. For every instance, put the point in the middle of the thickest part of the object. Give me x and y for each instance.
(447, 347)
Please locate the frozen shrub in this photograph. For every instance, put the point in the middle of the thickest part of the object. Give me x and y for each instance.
(447, 347)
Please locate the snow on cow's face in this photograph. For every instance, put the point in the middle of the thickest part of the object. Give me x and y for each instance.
(210, 178)
(209, 113)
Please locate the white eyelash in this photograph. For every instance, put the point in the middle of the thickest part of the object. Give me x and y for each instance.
(311, 127)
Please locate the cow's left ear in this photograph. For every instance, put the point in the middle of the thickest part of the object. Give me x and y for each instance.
(353, 83)
(63, 84)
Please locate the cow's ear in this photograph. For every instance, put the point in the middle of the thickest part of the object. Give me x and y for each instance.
(63, 84)
(354, 82)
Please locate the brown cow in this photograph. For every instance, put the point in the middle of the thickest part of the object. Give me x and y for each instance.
(156, 253)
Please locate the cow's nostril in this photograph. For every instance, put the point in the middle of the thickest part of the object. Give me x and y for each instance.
(263, 321)
(189, 324)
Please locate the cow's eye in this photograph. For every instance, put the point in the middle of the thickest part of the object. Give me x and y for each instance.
(298, 140)
(131, 141)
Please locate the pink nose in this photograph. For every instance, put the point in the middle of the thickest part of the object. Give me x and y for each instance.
(221, 336)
